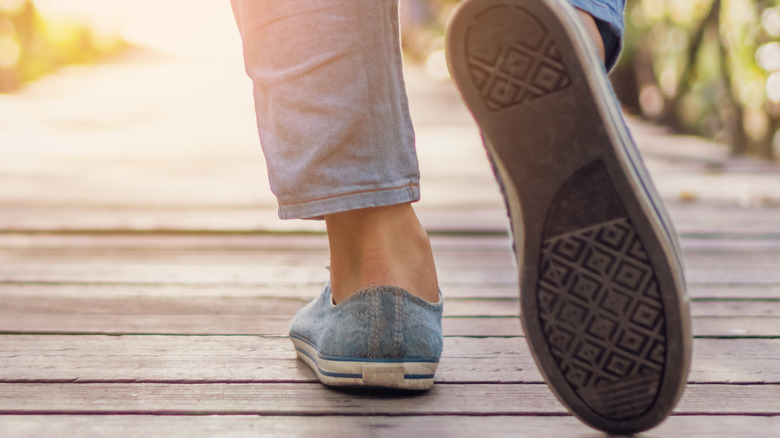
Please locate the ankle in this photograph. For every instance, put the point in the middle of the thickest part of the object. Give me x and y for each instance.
(593, 31)
(380, 246)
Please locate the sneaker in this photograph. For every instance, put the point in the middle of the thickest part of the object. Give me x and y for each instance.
(380, 337)
(603, 298)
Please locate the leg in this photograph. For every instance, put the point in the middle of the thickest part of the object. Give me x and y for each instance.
(603, 292)
(335, 129)
(593, 32)
(380, 246)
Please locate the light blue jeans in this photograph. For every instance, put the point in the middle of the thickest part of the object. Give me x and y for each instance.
(331, 104)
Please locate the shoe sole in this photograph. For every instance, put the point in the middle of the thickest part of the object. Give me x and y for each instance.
(352, 372)
(603, 298)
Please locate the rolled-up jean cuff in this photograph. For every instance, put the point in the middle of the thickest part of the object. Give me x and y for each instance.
(318, 208)
(610, 22)
(332, 111)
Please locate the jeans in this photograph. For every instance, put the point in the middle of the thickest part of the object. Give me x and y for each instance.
(331, 105)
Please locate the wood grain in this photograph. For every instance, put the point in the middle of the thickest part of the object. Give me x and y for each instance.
(35, 358)
(315, 399)
(454, 426)
(305, 291)
(282, 307)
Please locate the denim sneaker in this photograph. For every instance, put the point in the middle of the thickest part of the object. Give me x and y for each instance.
(603, 299)
(379, 337)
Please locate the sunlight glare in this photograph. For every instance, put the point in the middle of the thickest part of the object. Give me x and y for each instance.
(773, 87)
(770, 19)
(11, 7)
(768, 56)
(9, 52)
(436, 66)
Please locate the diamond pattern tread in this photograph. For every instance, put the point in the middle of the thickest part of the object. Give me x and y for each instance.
(516, 70)
(602, 317)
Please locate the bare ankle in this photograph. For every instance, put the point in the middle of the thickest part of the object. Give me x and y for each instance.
(380, 246)
(593, 30)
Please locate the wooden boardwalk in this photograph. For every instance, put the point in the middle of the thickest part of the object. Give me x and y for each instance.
(146, 286)
(185, 334)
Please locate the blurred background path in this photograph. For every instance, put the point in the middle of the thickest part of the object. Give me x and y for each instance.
(162, 137)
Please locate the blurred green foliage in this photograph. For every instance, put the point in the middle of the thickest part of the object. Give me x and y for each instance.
(32, 45)
(704, 67)
(707, 67)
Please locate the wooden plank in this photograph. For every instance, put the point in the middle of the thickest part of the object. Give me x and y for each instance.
(230, 359)
(478, 256)
(230, 261)
(722, 213)
(280, 244)
(273, 243)
(262, 359)
(38, 309)
(259, 307)
(307, 291)
(209, 324)
(451, 426)
(466, 251)
(99, 270)
(300, 291)
(728, 291)
(251, 325)
(736, 327)
(240, 247)
(316, 399)
(688, 218)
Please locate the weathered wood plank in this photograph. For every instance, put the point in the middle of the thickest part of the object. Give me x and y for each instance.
(257, 359)
(284, 242)
(100, 271)
(460, 249)
(736, 327)
(315, 399)
(687, 217)
(311, 249)
(287, 307)
(251, 325)
(707, 213)
(258, 307)
(246, 245)
(209, 324)
(451, 426)
(308, 291)
(477, 257)
(95, 309)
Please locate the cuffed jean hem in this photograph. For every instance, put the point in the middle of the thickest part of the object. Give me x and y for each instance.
(610, 22)
(318, 208)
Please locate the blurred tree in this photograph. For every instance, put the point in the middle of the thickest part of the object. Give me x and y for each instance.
(16, 21)
(706, 67)
(422, 26)
(32, 45)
